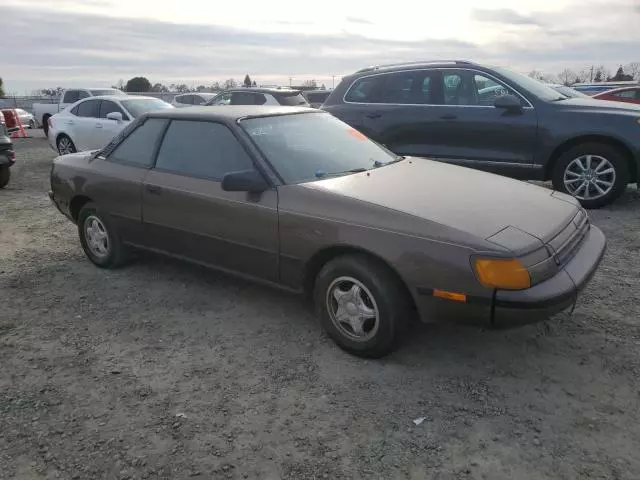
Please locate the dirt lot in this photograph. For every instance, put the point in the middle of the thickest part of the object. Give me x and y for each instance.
(163, 370)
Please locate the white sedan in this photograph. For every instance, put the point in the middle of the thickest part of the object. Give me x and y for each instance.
(91, 123)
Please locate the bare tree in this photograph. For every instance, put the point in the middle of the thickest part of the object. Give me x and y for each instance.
(537, 74)
(567, 76)
(230, 83)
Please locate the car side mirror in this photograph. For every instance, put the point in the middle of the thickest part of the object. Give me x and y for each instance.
(117, 116)
(508, 102)
(250, 181)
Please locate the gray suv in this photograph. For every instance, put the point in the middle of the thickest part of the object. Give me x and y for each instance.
(496, 120)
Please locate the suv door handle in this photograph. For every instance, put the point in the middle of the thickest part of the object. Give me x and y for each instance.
(373, 115)
(98, 125)
(154, 190)
(448, 116)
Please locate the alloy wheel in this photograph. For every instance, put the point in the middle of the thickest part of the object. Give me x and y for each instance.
(352, 309)
(589, 177)
(96, 236)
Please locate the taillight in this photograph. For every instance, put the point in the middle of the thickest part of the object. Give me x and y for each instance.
(12, 155)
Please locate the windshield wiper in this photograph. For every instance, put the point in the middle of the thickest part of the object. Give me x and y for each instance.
(321, 174)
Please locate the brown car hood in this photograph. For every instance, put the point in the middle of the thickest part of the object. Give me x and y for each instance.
(471, 201)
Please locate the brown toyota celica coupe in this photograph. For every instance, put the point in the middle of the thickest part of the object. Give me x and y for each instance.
(295, 198)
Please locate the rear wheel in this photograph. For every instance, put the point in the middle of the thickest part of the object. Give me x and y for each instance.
(65, 145)
(99, 238)
(361, 305)
(594, 173)
(5, 175)
(32, 124)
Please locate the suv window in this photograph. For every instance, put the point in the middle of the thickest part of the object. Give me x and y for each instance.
(82, 94)
(245, 98)
(198, 100)
(88, 108)
(138, 147)
(201, 149)
(467, 88)
(222, 99)
(364, 90)
(107, 106)
(184, 99)
(71, 96)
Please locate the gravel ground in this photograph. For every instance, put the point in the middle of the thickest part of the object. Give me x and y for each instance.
(165, 370)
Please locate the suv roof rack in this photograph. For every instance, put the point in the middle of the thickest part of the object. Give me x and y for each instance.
(419, 62)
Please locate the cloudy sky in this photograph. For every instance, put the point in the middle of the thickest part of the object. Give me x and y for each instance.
(98, 42)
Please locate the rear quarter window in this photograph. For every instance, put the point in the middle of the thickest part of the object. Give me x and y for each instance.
(364, 90)
(289, 100)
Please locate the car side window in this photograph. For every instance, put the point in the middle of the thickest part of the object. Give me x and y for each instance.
(222, 99)
(71, 96)
(198, 100)
(137, 148)
(365, 90)
(468, 88)
(626, 94)
(107, 106)
(201, 149)
(243, 98)
(82, 94)
(88, 108)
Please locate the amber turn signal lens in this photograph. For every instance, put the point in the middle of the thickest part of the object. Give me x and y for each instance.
(456, 297)
(500, 273)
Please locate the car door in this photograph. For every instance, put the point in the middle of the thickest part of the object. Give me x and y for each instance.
(471, 131)
(187, 213)
(82, 127)
(106, 128)
(399, 110)
(121, 168)
(627, 96)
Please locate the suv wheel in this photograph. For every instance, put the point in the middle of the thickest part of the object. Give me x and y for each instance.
(5, 175)
(361, 305)
(99, 238)
(594, 173)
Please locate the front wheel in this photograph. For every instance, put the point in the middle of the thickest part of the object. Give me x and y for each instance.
(361, 305)
(594, 173)
(32, 124)
(5, 175)
(99, 238)
(65, 145)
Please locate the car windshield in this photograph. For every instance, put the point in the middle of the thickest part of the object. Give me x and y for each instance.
(107, 91)
(313, 146)
(138, 106)
(531, 85)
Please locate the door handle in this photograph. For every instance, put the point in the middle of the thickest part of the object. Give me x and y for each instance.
(373, 115)
(70, 122)
(448, 117)
(154, 189)
(98, 125)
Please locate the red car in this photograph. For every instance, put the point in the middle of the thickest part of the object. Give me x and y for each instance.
(624, 94)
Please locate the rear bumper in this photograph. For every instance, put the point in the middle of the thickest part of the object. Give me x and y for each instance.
(510, 308)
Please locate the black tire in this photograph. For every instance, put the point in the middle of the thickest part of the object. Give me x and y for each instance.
(388, 295)
(62, 140)
(45, 124)
(32, 124)
(116, 254)
(612, 154)
(5, 175)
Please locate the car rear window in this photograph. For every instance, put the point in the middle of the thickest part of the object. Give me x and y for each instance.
(292, 99)
(107, 91)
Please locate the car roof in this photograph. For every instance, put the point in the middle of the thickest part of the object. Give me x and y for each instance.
(227, 113)
(119, 98)
(273, 90)
(621, 89)
(412, 65)
(206, 94)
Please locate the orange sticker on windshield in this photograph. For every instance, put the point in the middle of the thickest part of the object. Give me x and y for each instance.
(356, 134)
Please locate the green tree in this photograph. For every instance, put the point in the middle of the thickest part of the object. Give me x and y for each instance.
(138, 84)
(620, 76)
(599, 77)
(247, 80)
(1, 88)
(254, 84)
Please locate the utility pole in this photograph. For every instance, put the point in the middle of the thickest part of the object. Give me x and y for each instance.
(333, 77)
(289, 81)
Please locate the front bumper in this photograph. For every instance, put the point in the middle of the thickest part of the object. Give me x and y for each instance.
(510, 308)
